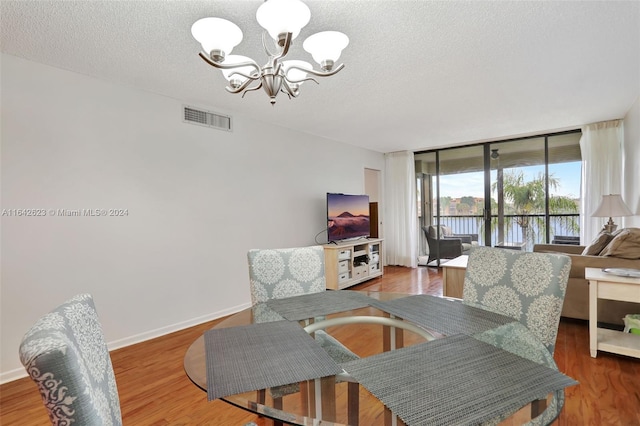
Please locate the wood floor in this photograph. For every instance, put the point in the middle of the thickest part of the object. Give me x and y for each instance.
(155, 391)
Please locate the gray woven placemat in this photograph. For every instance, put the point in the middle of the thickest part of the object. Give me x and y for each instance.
(260, 356)
(456, 380)
(442, 315)
(318, 304)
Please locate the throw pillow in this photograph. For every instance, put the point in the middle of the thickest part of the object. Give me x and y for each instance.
(625, 245)
(444, 231)
(433, 232)
(598, 244)
(615, 233)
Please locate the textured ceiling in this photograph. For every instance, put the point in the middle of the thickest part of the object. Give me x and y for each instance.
(418, 74)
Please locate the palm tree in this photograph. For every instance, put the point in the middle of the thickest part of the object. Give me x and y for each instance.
(526, 198)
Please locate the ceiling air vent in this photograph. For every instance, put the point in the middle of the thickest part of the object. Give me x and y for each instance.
(207, 118)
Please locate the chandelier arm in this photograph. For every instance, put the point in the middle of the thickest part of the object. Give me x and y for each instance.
(323, 73)
(251, 89)
(285, 48)
(251, 77)
(278, 69)
(306, 70)
(264, 45)
(303, 80)
(290, 92)
(242, 87)
(229, 66)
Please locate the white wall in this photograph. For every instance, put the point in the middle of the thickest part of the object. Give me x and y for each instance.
(197, 200)
(631, 184)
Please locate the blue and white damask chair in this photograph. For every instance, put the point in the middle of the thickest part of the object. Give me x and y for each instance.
(66, 356)
(280, 273)
(530, 288)
(288, 272)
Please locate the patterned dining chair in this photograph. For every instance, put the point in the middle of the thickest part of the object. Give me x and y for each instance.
(280, 273)
(288, 272)
(530, 288)
(66, 356)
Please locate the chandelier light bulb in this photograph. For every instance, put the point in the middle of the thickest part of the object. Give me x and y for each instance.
(283, 16)
(326, 47)
(217, 36)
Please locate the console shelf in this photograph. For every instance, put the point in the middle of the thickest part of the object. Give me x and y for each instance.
(352, 262)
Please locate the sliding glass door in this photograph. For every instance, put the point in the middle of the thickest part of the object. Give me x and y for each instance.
(512, 194)
(565, 171)
(460, 205)
(518, 186)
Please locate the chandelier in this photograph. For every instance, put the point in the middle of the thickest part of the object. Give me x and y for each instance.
(282, 21)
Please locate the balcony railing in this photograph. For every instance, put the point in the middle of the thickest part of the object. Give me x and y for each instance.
(559, 224)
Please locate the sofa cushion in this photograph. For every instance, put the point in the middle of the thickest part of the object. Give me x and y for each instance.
(444, 231)
(625, 245)
(598, 244)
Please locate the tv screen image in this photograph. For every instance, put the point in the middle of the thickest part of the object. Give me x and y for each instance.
(347, 216)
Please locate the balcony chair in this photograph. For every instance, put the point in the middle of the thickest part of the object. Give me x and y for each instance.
(529, 287)
(66, 356)
(281, 273)
(449, 245)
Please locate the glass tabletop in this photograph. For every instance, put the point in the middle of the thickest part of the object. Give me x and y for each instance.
(299, 407)
(334, 400)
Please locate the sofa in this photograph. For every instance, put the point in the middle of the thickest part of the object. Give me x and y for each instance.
(618, 250)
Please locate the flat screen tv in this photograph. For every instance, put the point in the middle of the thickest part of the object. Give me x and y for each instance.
(347, 217)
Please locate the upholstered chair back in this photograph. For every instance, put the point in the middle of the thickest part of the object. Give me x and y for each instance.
(66, 356)
(280, 273)
(529, 287)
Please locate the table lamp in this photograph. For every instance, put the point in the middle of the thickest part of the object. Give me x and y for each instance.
(610, 206)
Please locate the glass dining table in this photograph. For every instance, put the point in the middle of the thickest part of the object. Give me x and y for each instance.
(347, 358)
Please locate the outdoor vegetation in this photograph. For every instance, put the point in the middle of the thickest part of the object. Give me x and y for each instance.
(526, 201)
(523, 207)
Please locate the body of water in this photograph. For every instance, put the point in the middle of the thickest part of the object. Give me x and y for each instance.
(559, 225)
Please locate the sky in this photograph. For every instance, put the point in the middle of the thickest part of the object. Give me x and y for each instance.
(472, 184)
(354, 204)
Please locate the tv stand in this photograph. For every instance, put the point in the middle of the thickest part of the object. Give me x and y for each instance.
(352, 262)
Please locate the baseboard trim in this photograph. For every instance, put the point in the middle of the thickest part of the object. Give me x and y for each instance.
(10, 376)
(152, 334)
(20, 373)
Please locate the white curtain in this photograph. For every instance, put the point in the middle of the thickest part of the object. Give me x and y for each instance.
(601, 146)
(401, 216)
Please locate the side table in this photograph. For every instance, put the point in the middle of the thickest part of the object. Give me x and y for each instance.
(603, 285)
(453, 276)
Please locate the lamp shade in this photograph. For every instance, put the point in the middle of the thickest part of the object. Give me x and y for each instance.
(216, 34)
(295, 75)
(283, 16)
(326, 45)
(232, 74)
(612, 205)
